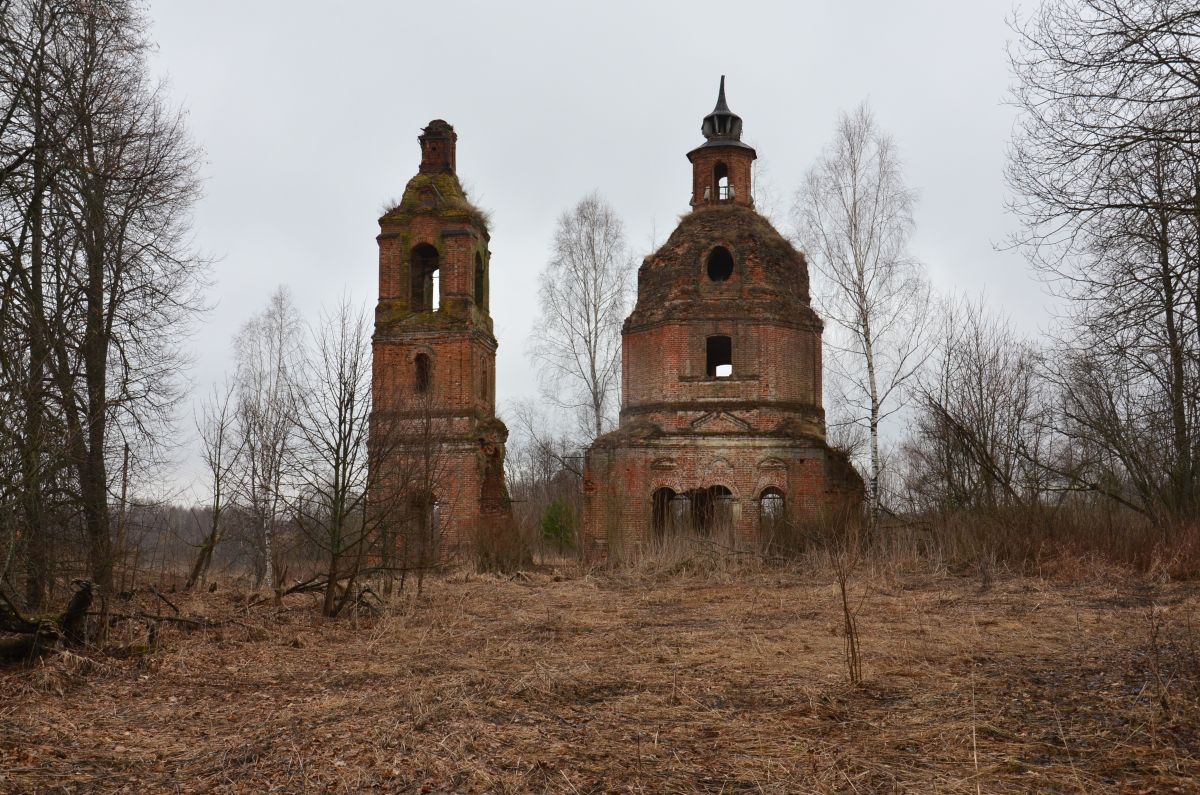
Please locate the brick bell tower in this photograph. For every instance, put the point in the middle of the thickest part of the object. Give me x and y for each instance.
(437, 447)
(722, 429)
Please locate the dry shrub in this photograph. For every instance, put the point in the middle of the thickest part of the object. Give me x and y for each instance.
(684, 556)
(1070, 542)
(499, 547)
(837, 536)
(1075, 543)
(1177, 555)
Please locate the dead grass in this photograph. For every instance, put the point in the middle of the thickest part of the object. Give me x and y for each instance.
(639, 681)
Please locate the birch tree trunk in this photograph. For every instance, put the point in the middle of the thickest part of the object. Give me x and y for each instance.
(853, 217)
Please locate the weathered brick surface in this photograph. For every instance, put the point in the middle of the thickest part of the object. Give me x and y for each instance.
(444, 432)
(737, 161)
(685, 430)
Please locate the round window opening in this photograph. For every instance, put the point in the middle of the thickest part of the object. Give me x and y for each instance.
(720, 264)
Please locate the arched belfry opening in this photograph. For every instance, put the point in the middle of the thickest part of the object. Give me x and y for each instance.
(424, 277)
(724, 191)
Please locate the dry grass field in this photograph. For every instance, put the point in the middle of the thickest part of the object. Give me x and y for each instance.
(573, 682)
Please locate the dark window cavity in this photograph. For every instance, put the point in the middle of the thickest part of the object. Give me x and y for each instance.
(425, 513)
(424, 375)
(712, 511)
(720, 264)
(480, 297)
(719, 357)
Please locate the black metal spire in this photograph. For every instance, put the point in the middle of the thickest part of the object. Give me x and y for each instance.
(721, 98)
(722, 124)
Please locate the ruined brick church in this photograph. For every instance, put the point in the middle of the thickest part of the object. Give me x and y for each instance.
(722, 430)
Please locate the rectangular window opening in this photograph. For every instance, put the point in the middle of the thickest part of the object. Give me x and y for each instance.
(719, 357)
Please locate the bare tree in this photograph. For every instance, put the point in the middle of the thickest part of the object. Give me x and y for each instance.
(1105, 165)
(853, 218)
(983, 436)
(331, 454)
(220, 449)
(268, 352)
(98, 181)
(577, 340)
(28, 32)
(542, 468)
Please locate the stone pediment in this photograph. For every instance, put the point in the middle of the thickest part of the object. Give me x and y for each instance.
(720, 422)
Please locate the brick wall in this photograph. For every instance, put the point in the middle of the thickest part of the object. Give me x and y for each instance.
(620, 482)
(667, 363)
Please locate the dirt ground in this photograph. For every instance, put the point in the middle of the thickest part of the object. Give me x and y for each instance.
(558, 681)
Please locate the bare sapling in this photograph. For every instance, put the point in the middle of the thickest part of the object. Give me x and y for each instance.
(845, 548)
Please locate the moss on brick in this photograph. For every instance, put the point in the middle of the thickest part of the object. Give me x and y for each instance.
(446, 201)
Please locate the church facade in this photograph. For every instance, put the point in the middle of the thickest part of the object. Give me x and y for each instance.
(722, 429)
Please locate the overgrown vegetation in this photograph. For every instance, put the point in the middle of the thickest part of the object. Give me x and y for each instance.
(580, 680)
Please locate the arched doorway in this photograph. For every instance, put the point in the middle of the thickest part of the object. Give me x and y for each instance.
(712, 513)
(662, 522)
(772, 516)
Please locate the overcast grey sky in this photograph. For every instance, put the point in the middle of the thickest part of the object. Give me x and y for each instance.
(309, 113)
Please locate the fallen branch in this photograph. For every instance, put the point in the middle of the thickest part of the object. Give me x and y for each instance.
(36, 637)
(168, 602)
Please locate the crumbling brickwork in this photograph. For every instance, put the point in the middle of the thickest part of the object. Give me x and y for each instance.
(437, 447)
(722, 430)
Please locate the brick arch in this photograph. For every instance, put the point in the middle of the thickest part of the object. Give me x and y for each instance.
(719, 472)
(415, 241)
(725, 484)
(674, 485)
(418, 350)
(771, 480)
